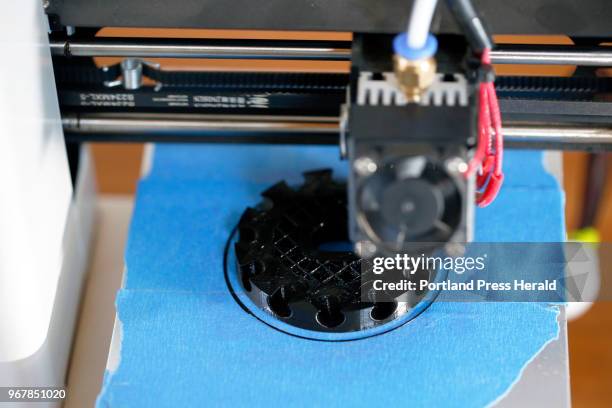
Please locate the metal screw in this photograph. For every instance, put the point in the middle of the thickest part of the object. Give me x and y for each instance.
(131, 70)
(364, 166)
(365, 249)
(454, 249)
(45, 4)
(456, 165)
(343, 130)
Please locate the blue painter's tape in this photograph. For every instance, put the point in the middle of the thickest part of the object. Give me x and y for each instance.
(187, 343)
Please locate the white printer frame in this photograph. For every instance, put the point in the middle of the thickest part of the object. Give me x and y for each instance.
(45, 221)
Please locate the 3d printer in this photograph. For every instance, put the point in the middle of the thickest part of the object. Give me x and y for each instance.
(408, 120)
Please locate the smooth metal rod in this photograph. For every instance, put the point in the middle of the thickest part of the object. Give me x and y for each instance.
(597, 58)
(110, 48)
(201, 124)
(532, 55)
(558, 135)
(553, 135)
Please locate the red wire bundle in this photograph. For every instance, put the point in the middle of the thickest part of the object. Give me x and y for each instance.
(490, 145)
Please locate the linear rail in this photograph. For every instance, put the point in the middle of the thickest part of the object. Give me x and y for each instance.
(306, 50)
(323, 130)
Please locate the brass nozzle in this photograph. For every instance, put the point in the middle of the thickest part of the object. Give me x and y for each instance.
(414, 76)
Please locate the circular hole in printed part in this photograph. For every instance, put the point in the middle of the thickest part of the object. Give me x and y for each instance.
(382, 310)
(257, 267)
(330, 319)
(279, 305)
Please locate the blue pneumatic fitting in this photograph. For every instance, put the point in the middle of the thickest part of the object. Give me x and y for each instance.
(400, 46)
